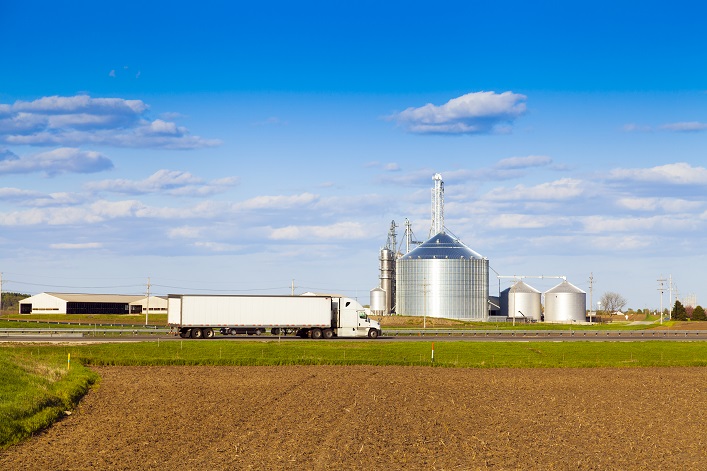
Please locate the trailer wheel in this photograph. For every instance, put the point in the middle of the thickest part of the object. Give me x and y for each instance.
(275, 331)
(373, 334)
(232, 331)
(328, 334)
(316, 333)
(258, 331)
(208, 333)
(196, 333)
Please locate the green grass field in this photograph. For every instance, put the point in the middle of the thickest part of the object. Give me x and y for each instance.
(36, 385)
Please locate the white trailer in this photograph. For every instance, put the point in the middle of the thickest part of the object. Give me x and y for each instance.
(197, 316)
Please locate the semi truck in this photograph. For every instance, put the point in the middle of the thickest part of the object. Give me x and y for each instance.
(200, 315)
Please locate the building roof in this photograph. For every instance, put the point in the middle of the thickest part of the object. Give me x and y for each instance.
(97, 298)
(442, 246)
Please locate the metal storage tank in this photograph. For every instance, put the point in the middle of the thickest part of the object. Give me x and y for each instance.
(387, 278)
(565, 303)
(521, 301)
(378, 302)
(443, 278)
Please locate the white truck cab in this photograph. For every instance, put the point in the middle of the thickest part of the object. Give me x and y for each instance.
(352, 320)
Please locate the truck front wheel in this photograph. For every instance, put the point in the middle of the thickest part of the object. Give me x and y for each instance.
(373, 334)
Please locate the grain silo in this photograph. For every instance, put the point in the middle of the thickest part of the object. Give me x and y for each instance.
(378, 302)
(565, 303)
(521, 301)
(443, 278)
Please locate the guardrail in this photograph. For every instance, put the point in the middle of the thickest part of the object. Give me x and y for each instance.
(547, 333)
(64, 331)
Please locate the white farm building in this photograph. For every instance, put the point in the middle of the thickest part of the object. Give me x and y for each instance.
(77, 303)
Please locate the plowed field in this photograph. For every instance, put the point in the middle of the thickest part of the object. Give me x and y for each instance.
(361, 417)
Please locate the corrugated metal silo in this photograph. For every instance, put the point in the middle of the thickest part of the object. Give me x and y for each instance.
(565, 303)
(521, 301)
(378, 302)
(443, 278)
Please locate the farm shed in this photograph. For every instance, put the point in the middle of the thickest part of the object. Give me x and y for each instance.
(79, 303)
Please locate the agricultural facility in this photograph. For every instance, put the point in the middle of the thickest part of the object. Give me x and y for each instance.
(442, 277)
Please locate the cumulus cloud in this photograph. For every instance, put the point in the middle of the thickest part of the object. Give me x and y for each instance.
(473, 113)
(680, 173)
(338, 231)
(563, 189)
(277, 202)
(524, 221)
(81, 119)
(61, 160)
(671, 205)
(173, 182)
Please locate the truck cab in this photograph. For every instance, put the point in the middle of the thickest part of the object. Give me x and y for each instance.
(351, 320)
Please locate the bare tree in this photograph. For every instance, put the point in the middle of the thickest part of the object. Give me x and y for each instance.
(612, 302)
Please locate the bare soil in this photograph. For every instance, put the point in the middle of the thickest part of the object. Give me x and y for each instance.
(360, 417)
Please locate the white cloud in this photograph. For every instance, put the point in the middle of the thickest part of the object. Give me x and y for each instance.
(690, 126)
(473, 113)
(619, 243)
(682, 126)
(185, 232)
(173, 182)
(338, 231)
(61, 160)
(277, 202)
(86, 245)
(525, 221)
(667, 223)
(563, 189)
(17, 194)
(524, 162)
(80, 120)
(680, 173)
(672, 205)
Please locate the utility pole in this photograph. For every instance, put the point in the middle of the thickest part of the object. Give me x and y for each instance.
(1, 294)
(662, 290)
(591, 294)
(670, 305)
(147, 307)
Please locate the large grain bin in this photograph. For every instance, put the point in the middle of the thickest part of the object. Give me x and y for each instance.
(521, 301)
(443, 278)
(565, 303)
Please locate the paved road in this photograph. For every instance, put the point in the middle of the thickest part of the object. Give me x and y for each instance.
(551, 336)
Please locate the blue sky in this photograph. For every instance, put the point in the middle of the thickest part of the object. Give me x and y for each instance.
(233, 147)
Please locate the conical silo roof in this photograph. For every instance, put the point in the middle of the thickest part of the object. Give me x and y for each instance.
(565, 287)
(442, 246)
(521, 287)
